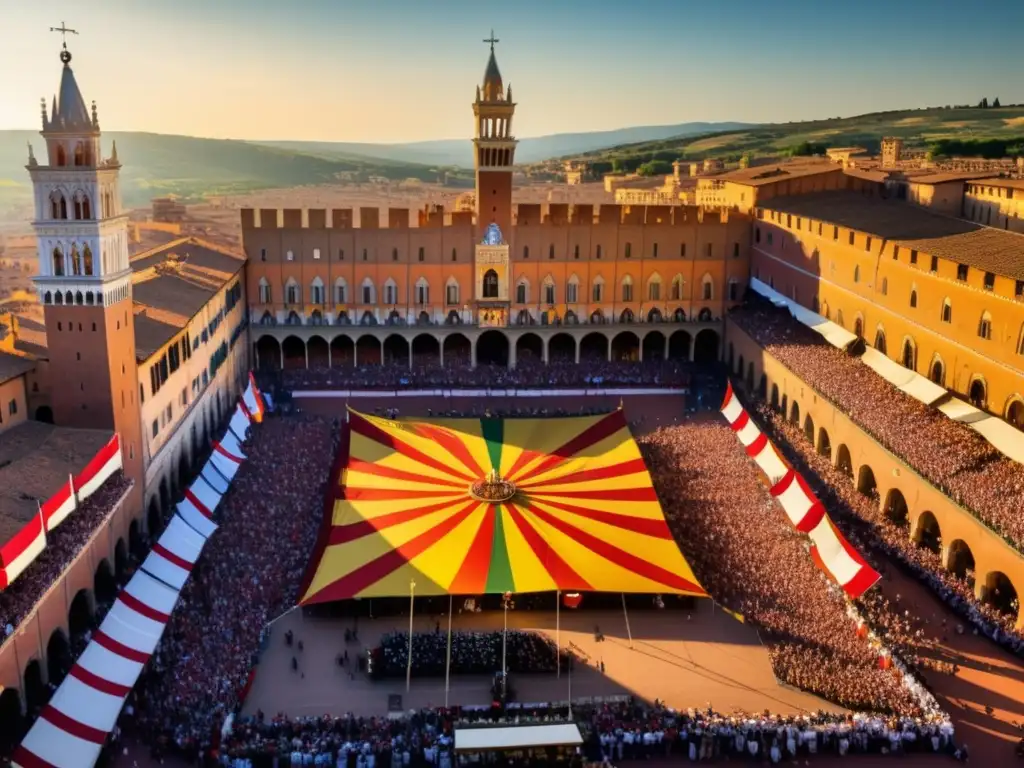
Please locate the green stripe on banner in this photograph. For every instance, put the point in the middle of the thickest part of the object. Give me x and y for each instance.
(493, 431)
(499, 574)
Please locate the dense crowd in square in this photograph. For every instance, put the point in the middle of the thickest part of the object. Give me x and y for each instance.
(471, 653)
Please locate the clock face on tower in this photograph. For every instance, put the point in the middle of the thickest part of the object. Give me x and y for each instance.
(493, 235)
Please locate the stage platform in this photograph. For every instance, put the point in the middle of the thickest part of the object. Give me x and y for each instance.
(709, 659)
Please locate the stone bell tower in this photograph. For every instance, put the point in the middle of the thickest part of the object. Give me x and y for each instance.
(494, 148)
(84, 277)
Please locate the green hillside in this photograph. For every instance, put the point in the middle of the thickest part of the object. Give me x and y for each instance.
(155, 165)
(992, 132)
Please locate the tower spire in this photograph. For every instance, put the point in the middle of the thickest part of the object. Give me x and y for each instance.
(65, 54)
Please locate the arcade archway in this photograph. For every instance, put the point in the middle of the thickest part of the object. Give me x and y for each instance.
(318, 350)
(268, 353)
(426, 351)
(843, 461)
(104, 586)
(294, 350)
(824, 444)
(492, 348)
(593, 347)
(11, 721)
(529, 349)
(998, 591)
(58, 657)
(866, 483)
(343, 351)
(928, 534)
(654, 346)
(396, 350)
(960, 560)
(679, 346)
(626, 346)
(457, 350)
(368, 351)
(561, 348)
(36, 694)
(896, 507)
(705, 347)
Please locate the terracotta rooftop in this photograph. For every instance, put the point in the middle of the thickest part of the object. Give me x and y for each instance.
(171, 283)
(35, 461)
(988, 181)
(988, 249)
(944, 177)
(768, 174)
(13, 365)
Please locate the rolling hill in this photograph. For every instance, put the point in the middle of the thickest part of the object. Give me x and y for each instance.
(157, 164)
(459, 152)
(927, 129)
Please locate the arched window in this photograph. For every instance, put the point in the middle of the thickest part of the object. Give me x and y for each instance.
(677, 288)
(490, 284)
(627, 286)
(79, 154)
(422, 291)
(526, 251)
(858, 326)
(947, 311)
(856, 274)
(549, 290)
(913, 299)
(909, 354)
(369, 292)
(390, 292)
(81, 203)
(938, 372)
(597, 291)
(292, 295)
(316, 291)
(985, 326)
(87, 260)
(340, 291)
(58, 262)
(47, 298)
(880, 341)
(58, 298)
(885, 286)
(572, 290)
(522, 292)
(264, 291)
(654, 288)
(62, 155)
(978, 394)
(707, 287)
(58, 206)
(76, 261)
(451, 292)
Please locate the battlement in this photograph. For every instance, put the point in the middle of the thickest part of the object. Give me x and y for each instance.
(525, 215)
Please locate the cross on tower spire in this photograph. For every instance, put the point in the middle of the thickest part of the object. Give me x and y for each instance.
(492, 40)
(64, 30)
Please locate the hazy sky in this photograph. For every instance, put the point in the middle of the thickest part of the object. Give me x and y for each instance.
(406, 70)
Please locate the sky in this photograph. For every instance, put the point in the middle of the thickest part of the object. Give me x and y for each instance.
(394, 71)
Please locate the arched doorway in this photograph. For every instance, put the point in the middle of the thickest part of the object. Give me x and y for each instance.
(824, 444)
(1015, 413)
(11, 722)
(928, 534)
(937, 373)
(775, 397)
(909, 354)
(977, 394)
(153, 521)
(36, 694)
(426, 351)
(294, 350)
(103, 584)
(58, 657)
(705, 347)
(794, 413)
(183, 471)
(44, 414)
(490, 285)
(561, 348)
(809, 429)
(529, 349)
(457, 350)
(80, 614)
(960, 560)
(343, 351)
(998, 591)
(896, 507)
(762, 388)
(492, 348)
(318, 349)
(594, 346)
(654, 346)
(368, 351)
(135, 542)
(120, 559)
(843, 461)
(866, 482)
(880, 340)
(750, 377)
(268, 353)
(740, 366)
(679, 346)
(626, 346)
(396, 350)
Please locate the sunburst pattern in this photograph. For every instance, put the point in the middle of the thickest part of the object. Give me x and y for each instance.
(584, 516)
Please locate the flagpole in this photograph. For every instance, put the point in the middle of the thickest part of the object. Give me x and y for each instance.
(504, 644)
(625, 613)
(408, 664)
(558, 632)
(448, 661)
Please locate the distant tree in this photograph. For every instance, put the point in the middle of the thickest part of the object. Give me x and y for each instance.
(601, 167)
(995, 102)
(983, 104)
(807, 148)
(617, 166)
(655, 168)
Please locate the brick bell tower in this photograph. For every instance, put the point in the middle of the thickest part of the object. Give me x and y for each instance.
(84, 277)
(494, 148)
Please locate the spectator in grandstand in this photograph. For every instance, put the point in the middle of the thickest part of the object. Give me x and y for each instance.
(949, 454)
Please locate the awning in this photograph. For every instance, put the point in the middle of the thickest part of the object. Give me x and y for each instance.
(517, 737)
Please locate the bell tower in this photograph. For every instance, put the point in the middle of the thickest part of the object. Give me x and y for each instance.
(494, 148)
(84, 278)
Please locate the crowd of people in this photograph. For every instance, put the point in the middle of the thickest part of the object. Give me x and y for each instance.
(471, 653)
(249, 574)
(529, 372)
(613, 732)
(62, 546)
(949, 454)
(872, 531)
(746, 554)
